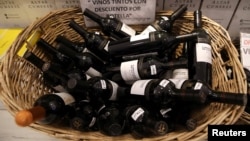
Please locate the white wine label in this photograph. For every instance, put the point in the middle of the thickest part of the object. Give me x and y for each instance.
(114, 92)
(164, 83)
(198, 86)
(106, 46)
(165, 18)
(93, 72)
(93, 121)
(128, 11)
(180, 74)
(66, 97)
(139, 86)
(127, 29)
(245, 49)
(103, 84)
(137, 113)
(203, 53)
(178, 82)
(147, 30)
(59, 88)
(153, 70)
(139, 37)
(164, 112)
(129, 70)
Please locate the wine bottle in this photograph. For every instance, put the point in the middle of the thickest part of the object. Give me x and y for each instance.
(85, 61)
(51, 78)
(165, 22)
(76, 46)
(146, 67)
(85, 117)
(198, 87)
(141, 123)
(182, 71)
(47, 109)
(95, 42)
(111, 122)
(157, 41)
(161, 91)
(200, 52)
(56, 56)
(97, 87)
(110, 25)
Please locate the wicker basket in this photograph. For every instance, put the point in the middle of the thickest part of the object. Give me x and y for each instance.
(21, 82)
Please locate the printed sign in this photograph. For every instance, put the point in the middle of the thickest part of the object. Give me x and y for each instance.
(245, 49)
(128, 11)
(220, 11)
(240, 21)
(192, 5)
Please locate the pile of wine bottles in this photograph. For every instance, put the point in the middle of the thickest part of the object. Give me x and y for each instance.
(122, 81)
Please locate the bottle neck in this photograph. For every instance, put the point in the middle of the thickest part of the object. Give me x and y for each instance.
(48, 47)
(79, 29)
(32, 58)
(228, 98)
(27, 117)
(176, 14)
(93, 16)
(197, 19)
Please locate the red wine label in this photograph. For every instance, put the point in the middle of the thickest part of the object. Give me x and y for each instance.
(203, 53)
(180, 74)
(114, 90)
(129, 70)
(127, 29)
(137, 113)
(67, 98)
(178, 82)
(139, 86)
(59, 88)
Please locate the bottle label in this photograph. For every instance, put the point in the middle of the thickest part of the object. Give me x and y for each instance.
(180, 74)
(203, 53)
(93, 121)
(198, 86)
(139, 86)
(93, 72)
(164, 83)
(153, 70)
(106, 46)
(165, 18)
(147, 30)
(114, 90)
(129, 70)
(178, 82)
(67, 98)
(59, 88)
(139, 37)
(130, 31)
(137, 113)
(164, 112)
(103, 84)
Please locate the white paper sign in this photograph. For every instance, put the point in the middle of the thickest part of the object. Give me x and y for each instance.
(245, 49)
(128, 11)
(192, 5)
